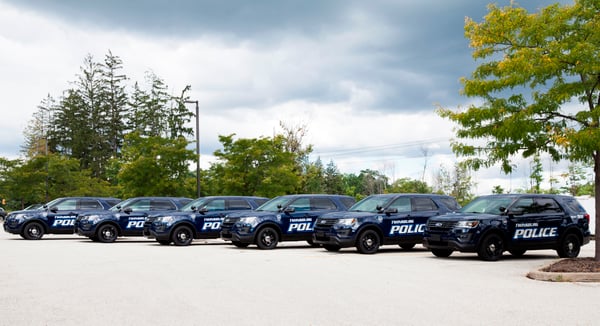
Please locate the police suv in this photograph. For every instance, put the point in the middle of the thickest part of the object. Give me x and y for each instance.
(381, 220)
(200, 219)
(125, 219)
(490, 225)
(284, 218)
(57, 216)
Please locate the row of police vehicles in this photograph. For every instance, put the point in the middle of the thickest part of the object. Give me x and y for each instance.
(488, 226)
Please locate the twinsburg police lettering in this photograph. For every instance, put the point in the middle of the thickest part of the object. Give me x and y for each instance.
(533, 231)
(300, 224)
(64, 221)
(406, 227)
(213, 223)
(136, 222)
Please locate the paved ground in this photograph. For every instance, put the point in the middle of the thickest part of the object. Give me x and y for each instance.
(69, 280)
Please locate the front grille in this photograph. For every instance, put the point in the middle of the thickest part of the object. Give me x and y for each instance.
(440, 225)
(228, 222)
(326, 222)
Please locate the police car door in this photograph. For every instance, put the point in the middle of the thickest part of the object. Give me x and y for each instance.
(209, 221)
(61, 217)
(132, 217)
(534, 221)
(396, 225)
(296, 217)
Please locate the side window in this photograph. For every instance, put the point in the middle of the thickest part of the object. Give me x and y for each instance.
(322, 204)
(402, 204)
(423, 204)
(451, 203)
(348, 201)
(260, 201)
(65, 205)
(139, 205)
(162, 205)
(547, 205)
(523, 206)
(574, 205)
(301, 204)
(216, 205)
(238, 204)
(89, 204)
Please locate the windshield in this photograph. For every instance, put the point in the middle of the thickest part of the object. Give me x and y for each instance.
(370, 204)
(198, 203)
(495, 205)
(274, 204)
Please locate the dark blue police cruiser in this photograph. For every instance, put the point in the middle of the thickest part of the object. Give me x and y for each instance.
(125, 219)
(381, 220)
(200, 219)
(57, 216)
(284, 218)
(490, 225)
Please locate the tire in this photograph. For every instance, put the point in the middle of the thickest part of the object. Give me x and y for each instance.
(442, 253)
(517, 252)
(240, 244)
(332, 248)
(164, 242)
(182, 236)
(33, 231)
(491, 247)
(267, 238)
(569, 247)
(368, 242)
(407, 246)
(107, 233)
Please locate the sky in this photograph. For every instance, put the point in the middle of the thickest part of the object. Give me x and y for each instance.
(364, 77)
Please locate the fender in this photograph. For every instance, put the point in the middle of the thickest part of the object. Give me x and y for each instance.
(265, 224)
(186, 223)
(116, 225)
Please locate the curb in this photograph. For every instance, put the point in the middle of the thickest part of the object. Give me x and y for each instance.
(540, 275)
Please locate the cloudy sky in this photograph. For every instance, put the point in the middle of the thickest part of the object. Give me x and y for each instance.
(364, 76)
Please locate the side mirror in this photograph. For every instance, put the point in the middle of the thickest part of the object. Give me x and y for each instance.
(127, 210)
(391, 211)
(54, 209)
(289, 210)
(203, 210)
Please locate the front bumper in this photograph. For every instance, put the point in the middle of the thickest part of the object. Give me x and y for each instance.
(333, 238)
(13, 227)
(446, 241)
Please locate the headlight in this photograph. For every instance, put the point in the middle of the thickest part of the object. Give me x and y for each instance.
(252, 220)
(18, 217)
(467, 224)
(92, 218)
(346, 222)
(165, 219)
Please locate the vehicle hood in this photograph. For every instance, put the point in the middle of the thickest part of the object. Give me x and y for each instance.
(464, 217)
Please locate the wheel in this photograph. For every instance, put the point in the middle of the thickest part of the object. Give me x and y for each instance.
(569, 246)
(182, 236)
(164, 242)
(107, 233)
(333, 248)
(267, 238)
(491, 247)
(368, 242)
(240, 244)
(443, 253)
(33, 231)
(517, 252)
(407, 246)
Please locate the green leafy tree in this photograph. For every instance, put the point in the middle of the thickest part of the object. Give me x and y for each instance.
(539, 80)
(258, 166)
(536, 177)
(334, 180)
(154, 166)
(456, 183)
(407, 185)
(314, 178)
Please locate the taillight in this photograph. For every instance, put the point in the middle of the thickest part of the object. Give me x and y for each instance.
(587, 217)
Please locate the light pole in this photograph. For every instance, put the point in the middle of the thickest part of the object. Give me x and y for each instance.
(197, 146)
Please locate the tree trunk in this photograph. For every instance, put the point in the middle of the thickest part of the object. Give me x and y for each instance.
(597, 203)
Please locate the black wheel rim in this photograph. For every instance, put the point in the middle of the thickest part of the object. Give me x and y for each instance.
(268, 237)
(493, 247)
(184, 236)
(34, 231)
(370, 241)
(571, 246)
(108, 233)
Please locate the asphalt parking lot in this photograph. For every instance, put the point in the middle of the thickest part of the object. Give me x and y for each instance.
(69, 280)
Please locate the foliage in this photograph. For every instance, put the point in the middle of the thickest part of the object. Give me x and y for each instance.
(540, 86)
(154, 166)
(456, 183)
(407, 185)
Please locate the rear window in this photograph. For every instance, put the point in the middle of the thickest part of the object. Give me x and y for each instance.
(423, 204)
(348, 201)
(451, 203)
(574, 205)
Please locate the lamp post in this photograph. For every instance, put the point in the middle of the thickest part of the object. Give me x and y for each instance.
(197, 146)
